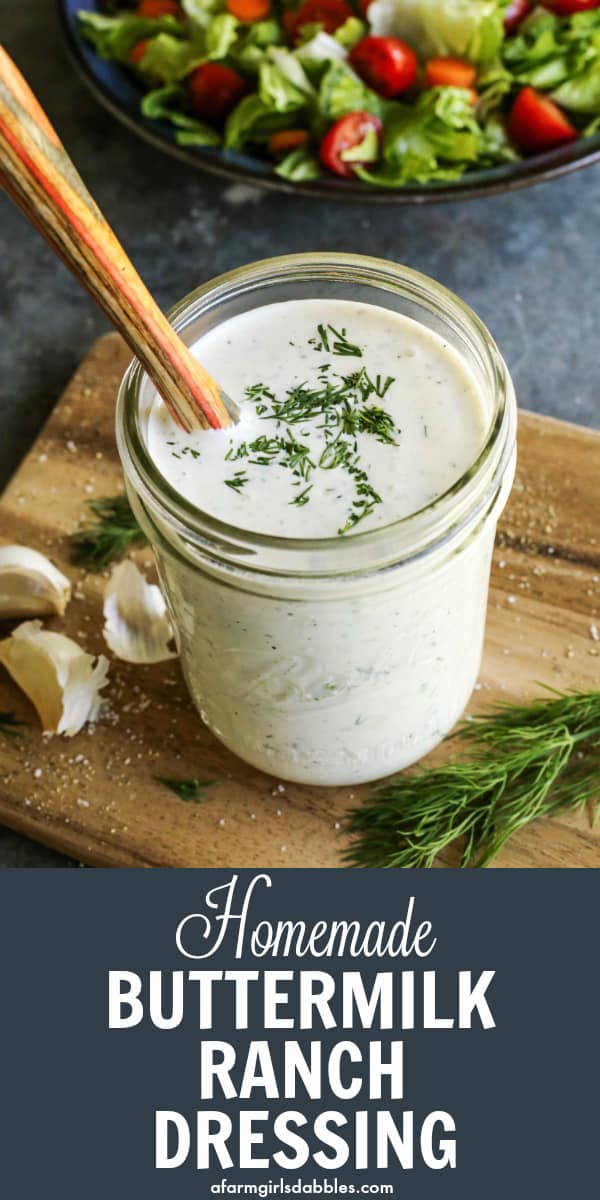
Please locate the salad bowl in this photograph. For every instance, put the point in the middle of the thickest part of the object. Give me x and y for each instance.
(120, 90)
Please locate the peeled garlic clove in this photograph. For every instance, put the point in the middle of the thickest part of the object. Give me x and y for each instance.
(136, 625)
(30, 585)
(60, 679)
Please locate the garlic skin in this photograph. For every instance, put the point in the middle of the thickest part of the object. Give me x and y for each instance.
(30, 585)
(136, 625)
(62, 681)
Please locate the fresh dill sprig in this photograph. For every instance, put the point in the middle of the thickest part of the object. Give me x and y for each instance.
(9, 726)
(334, 341)
(526, 761)
(109, 538)
(187, 789)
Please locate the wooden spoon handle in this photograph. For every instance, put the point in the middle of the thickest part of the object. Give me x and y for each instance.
(38, 174)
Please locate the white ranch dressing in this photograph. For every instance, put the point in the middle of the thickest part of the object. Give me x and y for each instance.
(331, 682)
(438, 422)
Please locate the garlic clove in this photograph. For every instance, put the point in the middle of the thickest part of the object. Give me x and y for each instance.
(62, 681)
(30, 585)
(136, 624)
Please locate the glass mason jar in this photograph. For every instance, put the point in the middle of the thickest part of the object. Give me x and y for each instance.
(333, 660)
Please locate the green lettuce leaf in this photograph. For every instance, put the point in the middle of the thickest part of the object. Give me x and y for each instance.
(495, 146)
(581, 94)
(166, 103)
(252, 122)
(200, 13)
(115, 37)
(350, 32)
(494, 85)
(550, 52)
(342, 92)
(436, 138)
(291, 68)
(221, 36)
(276, 91)
(299, 165)
(320, 50)
(470, 29)
(170, 59)
(249, 49)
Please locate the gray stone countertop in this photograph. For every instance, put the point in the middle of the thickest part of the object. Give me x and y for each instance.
(527, 262)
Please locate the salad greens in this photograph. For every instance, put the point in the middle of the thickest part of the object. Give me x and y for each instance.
(293, 80)
(471, 29)
(438, 137)
(562, 57)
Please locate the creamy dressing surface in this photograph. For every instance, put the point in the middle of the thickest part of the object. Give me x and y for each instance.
(336, 681)
(352, 417)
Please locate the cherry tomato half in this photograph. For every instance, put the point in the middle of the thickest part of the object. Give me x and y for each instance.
(214, 90)
(330, 14)
(159, 8)
(347, 133)
(386, 64)
(535, 123)
(565, 8)
(514, 14)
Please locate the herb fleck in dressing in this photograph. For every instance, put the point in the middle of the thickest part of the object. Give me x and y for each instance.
(351, 418)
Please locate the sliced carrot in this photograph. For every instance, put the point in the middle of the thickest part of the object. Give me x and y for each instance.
(449, 72)
(249, 10)
(286, 140)
(138, 51)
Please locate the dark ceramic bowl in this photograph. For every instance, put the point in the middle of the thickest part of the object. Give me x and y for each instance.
(118, 90)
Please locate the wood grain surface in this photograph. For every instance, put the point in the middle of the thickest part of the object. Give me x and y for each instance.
(96, 797)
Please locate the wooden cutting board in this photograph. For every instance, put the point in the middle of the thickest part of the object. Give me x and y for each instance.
(96, 797)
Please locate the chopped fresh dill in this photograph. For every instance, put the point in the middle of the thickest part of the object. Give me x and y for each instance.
(302, 497)
(114, 532)
(187, 789)
(525, 762)
(341, 407)
(334, 341)
(239, 481)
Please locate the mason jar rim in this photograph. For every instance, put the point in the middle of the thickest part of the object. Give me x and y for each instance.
(448, 517)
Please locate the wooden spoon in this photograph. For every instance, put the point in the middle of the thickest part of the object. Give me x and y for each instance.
(37, 173)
